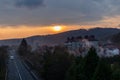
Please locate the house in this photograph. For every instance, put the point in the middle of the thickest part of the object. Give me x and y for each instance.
(80, 45)
(108, 50)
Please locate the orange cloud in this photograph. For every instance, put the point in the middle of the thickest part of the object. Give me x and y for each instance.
(25, 31)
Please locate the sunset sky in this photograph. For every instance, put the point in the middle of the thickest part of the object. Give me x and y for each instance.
(23, 18)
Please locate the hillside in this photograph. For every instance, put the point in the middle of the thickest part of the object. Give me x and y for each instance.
(100, 33)
(116, 38)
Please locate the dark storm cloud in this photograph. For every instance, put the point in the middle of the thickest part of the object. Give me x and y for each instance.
(79, 11)
(71, 12)
(29, 3)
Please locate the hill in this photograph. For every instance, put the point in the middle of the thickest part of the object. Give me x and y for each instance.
(116, 38)
(100, 33)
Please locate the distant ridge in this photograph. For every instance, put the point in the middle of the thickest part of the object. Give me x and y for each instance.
(100, 33)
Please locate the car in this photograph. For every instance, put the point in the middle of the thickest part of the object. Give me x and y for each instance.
(11, 57)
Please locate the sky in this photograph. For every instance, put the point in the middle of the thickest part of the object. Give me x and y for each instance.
(22, 18)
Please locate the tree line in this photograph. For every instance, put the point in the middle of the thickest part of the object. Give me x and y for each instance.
(3, 61)
(58, 64)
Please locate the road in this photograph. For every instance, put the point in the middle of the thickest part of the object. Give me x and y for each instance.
(16, 69)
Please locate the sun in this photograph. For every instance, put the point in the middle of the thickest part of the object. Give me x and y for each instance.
(57, 28)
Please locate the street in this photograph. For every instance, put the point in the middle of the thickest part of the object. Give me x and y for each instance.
(16, 69)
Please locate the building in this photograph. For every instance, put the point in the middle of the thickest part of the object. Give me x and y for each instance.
(80, 46)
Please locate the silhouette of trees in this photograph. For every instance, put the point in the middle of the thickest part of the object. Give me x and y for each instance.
(75, 70)
(103, 71)
(79, 38)
(86, 36)
(116, 75)
(56, 64)
(23, 48)
(116, 38)
(91, 61)
(83, 68)
(3, 60)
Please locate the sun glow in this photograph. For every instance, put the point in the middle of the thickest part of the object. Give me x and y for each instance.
(57, 28)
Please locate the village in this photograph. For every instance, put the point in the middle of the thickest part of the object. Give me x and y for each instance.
(81, 45)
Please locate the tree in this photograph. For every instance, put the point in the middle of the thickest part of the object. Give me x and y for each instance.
(90, 63)
(74, 72)
(3, 60)
(115, 71)
(83, 68)
(23, 48)
(116, 38)
(116, 75)
(56, 65)
(103, 71)
(86, 36)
